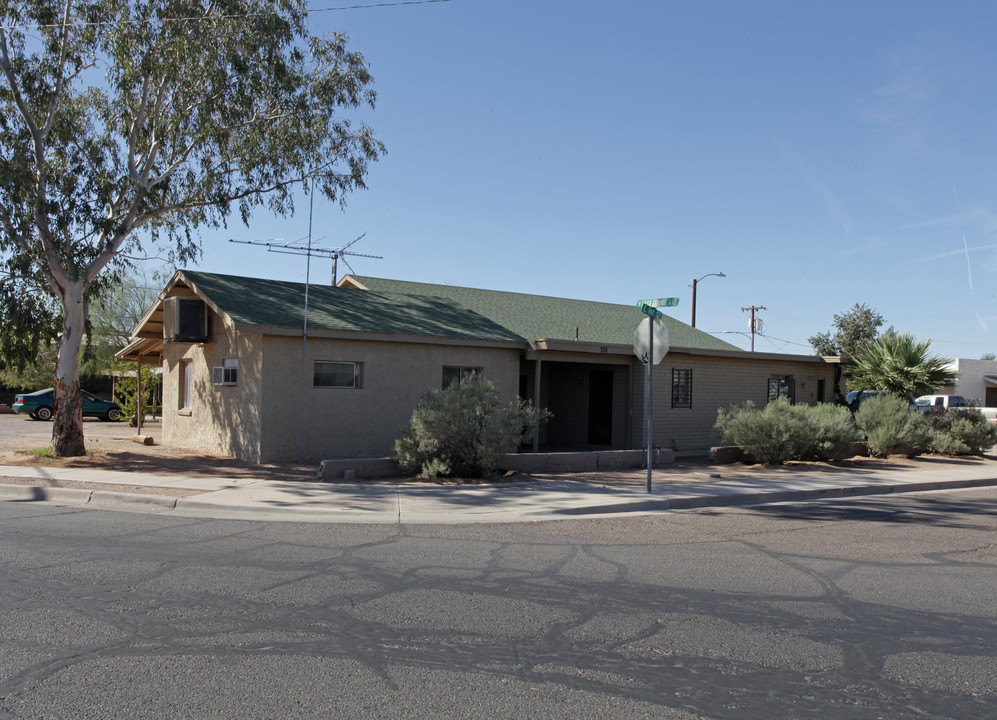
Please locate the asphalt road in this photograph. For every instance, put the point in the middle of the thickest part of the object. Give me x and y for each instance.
(867, 608)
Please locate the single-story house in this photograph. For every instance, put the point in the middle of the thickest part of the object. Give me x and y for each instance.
(244, 375)
(976, 380)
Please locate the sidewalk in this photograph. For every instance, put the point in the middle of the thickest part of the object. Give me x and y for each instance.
(249, 498)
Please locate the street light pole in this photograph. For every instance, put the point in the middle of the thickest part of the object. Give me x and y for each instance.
(694, 284)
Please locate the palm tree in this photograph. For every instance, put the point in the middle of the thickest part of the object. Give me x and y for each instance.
(899, 363)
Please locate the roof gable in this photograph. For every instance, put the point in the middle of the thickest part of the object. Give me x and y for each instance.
(253, 301)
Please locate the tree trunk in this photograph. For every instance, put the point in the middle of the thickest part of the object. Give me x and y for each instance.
(67, 430)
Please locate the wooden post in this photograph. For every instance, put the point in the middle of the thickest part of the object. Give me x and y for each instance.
(138, 397)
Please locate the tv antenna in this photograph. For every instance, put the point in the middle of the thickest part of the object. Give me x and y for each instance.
(335, 254)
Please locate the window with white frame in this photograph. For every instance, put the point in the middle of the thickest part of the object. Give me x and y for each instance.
(186, 394)
(337, 374)
(227, 373)
(454, 374)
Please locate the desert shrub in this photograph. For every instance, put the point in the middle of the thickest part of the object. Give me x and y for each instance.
(772, 435)
(461, 431)
(890, 427)
(782, 431)
(960, 431)
(832, 429)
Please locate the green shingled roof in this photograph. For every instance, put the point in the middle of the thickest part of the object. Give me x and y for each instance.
(550, 318)
(410, 308)
(269, 302)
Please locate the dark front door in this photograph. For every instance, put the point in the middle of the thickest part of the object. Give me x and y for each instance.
(991, 400)
(601, 407)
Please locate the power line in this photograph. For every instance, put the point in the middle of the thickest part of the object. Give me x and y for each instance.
(783, 340)
(196, 18)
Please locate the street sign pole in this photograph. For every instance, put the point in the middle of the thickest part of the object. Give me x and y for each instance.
(648, 355)
(650, 400)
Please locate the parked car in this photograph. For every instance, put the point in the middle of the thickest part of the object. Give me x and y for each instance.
(927, 403)
(855, 398)
(39, 406)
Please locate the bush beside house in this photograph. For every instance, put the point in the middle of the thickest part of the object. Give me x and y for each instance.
(960, 431)
(461, 431)
(891, 428)
(782, 431)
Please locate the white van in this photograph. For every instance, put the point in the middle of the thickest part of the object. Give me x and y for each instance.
(927, 403)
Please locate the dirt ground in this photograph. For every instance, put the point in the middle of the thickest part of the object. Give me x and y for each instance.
(110, 446)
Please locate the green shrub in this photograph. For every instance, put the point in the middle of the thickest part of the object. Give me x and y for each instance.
(891, 427)
(833, 431)
(462, 432)
(960, 431)
(782, 431)
(126, 390)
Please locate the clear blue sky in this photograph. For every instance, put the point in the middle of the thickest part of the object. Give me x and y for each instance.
(820, 154)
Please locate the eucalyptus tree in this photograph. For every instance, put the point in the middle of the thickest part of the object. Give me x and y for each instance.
(900, 364)
(129, 124)
(852, 330)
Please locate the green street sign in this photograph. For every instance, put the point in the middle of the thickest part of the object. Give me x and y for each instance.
(659, 302)
(648, 310)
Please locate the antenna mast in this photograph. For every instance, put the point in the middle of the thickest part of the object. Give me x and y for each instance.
(295, 249)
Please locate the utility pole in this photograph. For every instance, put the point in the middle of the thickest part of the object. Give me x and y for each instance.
(753, 309)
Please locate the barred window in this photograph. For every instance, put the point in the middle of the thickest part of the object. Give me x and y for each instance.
(782, 387)
(681, 388)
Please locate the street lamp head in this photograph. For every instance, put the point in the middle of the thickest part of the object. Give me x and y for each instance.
(720, 274)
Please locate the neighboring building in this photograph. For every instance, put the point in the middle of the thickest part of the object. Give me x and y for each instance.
(976, 380)
(238, 377)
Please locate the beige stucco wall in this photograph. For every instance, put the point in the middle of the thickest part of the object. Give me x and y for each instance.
(363, 422)
(716, 382)
(222, 419)
(970, 381)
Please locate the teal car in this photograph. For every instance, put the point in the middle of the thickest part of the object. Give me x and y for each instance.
(40, 406)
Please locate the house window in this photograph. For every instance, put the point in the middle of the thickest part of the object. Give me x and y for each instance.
(681, 388)
(186, 395)
(458, 374)
(337, 374)
(227, 373)
(782, 387)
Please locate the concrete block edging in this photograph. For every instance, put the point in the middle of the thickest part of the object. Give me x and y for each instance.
(558, 462)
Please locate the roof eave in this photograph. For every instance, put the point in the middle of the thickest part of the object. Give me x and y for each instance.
(368, 336)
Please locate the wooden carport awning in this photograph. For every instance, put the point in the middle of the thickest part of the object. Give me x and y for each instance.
(141, 350)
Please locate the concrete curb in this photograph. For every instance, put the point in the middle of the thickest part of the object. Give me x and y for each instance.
(71, 496)
(762, 498)
(37, 493)
(112, 499)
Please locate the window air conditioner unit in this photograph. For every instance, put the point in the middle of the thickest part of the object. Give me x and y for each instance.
(227, 374)
(185, 319)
